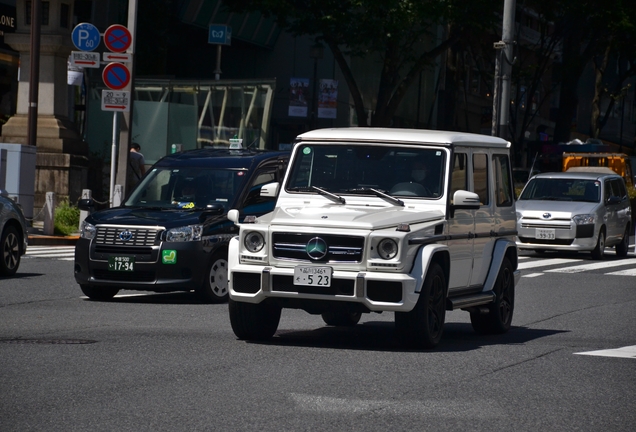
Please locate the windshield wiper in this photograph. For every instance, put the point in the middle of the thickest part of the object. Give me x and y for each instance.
(380, 194)
(321, 191)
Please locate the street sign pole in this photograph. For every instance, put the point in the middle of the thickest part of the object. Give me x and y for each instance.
(126, 123)
(113, 155)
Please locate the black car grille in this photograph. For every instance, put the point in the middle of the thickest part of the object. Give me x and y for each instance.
(140, 236)
(293, 246)
(136, 276)
(559, 242)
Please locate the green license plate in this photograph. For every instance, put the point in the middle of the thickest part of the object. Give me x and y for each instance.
(121, 263)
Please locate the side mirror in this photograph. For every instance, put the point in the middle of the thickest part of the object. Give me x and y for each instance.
(614, 200)
(270, 190)
(86, 204)
(233, 215)
(464, 200)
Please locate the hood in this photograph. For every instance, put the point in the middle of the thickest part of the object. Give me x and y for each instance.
(556, 208)
(139, 216)
(352, 216)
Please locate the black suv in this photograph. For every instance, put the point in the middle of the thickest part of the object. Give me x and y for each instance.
(172, 231)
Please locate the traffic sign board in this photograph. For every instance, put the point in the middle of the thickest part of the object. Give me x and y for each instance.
(117, 38)
(115, 100)
(85, 59)
(116, 76)
(117, 57)
(220, 34)
(85, 37)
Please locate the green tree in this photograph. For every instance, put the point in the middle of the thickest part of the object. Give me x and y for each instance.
(403, 34)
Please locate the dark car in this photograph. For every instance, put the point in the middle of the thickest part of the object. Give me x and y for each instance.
(13, 234)
(172, 231)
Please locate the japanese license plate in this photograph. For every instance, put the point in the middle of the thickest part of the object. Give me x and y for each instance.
(312, 276)
(545, 234)
(121, 263)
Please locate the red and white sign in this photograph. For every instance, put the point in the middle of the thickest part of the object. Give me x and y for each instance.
(116, 57)
(85, 59)
(116, 76)
(117, 38)
(115, 100)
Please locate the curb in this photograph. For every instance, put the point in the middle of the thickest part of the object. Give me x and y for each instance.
(44, 240)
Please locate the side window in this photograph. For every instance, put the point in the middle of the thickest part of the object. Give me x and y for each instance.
(619, 189)
(459, 179)
(503, 187)
(608, 190)
(480, 176)
(254, 200)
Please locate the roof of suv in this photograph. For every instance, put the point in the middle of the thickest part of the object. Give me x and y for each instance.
(405, 136)
(220, 158)
(577, 175)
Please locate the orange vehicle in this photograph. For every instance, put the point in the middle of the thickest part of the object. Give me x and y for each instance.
(620, 163)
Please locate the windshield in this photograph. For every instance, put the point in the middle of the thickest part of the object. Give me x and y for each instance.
(553, 189)
(364, 169)
(187, 188)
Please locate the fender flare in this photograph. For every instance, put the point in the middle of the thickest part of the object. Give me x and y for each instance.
(499, 252)
(423, 260)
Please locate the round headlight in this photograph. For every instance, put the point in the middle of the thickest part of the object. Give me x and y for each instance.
(254, 241)
(387, 249)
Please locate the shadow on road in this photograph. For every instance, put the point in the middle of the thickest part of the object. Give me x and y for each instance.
(380, 336)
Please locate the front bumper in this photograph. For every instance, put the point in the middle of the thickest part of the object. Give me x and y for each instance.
(375, 290)
(567, 238)
(150, 272)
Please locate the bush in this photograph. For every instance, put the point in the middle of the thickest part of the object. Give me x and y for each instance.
(66, 219)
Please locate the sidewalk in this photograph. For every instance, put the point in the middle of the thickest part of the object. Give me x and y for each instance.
(37, 237)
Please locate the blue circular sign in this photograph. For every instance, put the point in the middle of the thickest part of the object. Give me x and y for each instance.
(85, 37)
(116, 76)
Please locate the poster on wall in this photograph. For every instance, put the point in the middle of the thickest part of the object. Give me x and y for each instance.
(328, 99)
(298, 97)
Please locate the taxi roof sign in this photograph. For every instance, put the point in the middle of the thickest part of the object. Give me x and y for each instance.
(236, 143)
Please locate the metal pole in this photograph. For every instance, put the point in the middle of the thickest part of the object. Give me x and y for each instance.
(126, 123)
(113, 155)
(34, 78)
(506, 66)
(217, 71)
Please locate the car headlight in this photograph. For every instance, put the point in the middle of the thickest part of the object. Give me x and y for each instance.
(387, 248)
(87, 230)
(254, 241)
(584, 219)
(185, 233)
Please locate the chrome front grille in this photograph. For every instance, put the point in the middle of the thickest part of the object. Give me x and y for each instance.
(545, 225)
(109, 235)
(342, 249)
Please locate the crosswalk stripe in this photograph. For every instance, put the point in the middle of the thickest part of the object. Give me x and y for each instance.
(52, 255)
(593, 266)
(546, 262)
(624, 352)
(628, 272)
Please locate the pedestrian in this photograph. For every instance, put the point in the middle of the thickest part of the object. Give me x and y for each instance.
(136, 165)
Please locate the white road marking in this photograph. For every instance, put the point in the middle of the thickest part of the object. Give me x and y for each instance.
(531, 275)
(624, 352)
(479, 409)
(628, 272)
(594, 266)
(546, 262)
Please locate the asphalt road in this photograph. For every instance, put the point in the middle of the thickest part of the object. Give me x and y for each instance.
(168, 363)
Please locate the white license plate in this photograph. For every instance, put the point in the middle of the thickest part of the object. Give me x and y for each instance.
(545, 234)
(313, 276)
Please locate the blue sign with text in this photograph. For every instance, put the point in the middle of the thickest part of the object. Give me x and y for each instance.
(86, 37)
(220, 34)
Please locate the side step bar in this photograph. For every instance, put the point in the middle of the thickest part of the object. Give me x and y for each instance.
(470, 300)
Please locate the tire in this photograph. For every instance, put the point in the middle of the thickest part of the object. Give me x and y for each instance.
(623, 247)
(99, 292)
(11, 253)
(255, 322)
(424, 325)
(499, 316)
(341, 318)
(599, 251)
(214, 288)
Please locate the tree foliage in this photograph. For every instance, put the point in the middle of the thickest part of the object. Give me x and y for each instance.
(403, 34)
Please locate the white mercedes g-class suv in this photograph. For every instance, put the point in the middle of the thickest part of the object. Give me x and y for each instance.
(370, 220)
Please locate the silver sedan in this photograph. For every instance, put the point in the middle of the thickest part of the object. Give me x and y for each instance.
(574, 211)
